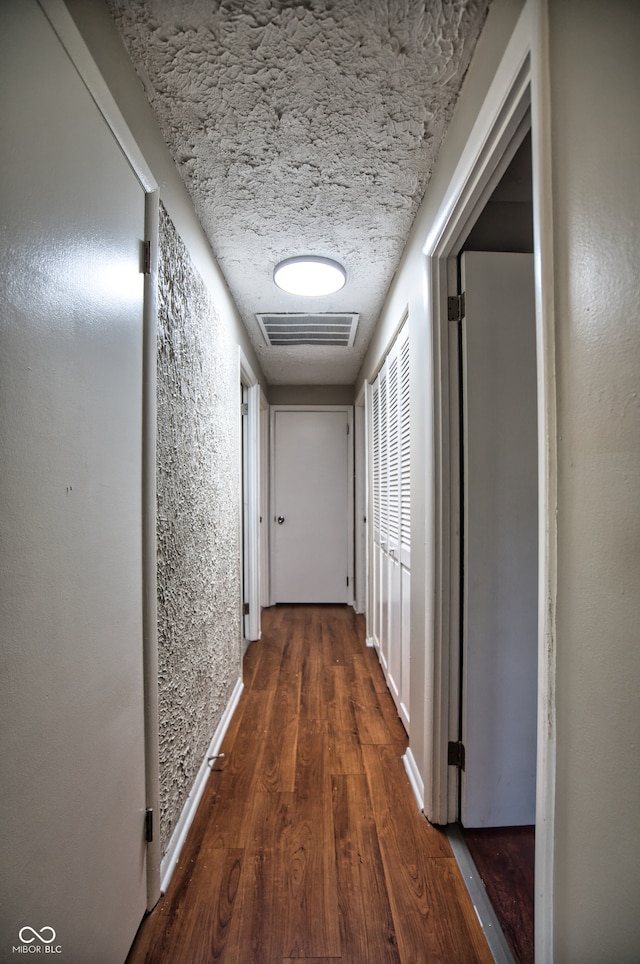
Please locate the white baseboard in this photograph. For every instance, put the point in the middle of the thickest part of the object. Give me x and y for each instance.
(416, 781)
(181, 830)
(371, 642)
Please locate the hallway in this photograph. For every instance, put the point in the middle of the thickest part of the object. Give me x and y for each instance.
(308, 844)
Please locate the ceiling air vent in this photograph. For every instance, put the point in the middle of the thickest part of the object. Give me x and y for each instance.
(324, 329)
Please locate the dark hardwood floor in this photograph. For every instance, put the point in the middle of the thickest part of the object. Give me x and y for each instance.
(505, 857)
(308, 844)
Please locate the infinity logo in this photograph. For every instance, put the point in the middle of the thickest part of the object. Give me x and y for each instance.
(40, 936)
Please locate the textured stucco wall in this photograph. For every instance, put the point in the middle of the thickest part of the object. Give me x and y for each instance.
(199, 588)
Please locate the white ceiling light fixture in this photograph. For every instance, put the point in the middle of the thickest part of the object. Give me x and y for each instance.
(310, 276)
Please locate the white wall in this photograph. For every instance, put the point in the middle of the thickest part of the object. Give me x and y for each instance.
(595, 93)
(311, 394)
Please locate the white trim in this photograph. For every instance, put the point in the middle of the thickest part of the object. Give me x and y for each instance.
(499, 121)
(348, 409)
(497, 124)
(251, 623)
(149, 548)
(520, 84)
(547, 482)
(263, 519)
(179, 835)
(371, 601)
(404, 316)
(361, 502)
(247, 374)
(77, 50)
(413, 773)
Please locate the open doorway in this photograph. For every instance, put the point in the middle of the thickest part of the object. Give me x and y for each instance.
(498, 464)
(494, 462)
(515, 104)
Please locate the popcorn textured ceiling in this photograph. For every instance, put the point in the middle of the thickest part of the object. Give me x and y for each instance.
(303, 127)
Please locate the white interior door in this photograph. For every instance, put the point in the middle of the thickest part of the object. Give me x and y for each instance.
(71, 682)
(499, 651)
(311, 526)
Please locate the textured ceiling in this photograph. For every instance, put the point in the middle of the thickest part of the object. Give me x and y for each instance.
(303, 127)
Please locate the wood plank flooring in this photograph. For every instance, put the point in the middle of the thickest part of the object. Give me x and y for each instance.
(308, 845)
(505, 860)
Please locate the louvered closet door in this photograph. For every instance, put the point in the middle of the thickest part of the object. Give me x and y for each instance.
(404, 422)
(391, 515)
(393, 583)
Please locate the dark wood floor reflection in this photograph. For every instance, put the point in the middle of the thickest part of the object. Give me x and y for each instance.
(505, 858)
(308, 844)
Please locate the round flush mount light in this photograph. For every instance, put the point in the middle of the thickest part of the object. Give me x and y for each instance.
(310, 275)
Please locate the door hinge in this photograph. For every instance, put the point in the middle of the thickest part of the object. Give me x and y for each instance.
(245, 609)
(244, 408)
(146, 257)
(455, 754)
(456, 307)
(148, 825)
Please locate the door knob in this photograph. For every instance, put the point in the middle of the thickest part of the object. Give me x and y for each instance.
(280, 520)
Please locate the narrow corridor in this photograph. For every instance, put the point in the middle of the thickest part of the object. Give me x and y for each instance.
(308, 844)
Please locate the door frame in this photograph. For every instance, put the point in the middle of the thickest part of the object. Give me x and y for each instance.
(348, 409)
(263, 519)
(250, 479)
(518, 99)
(82, 59)
(361, 445)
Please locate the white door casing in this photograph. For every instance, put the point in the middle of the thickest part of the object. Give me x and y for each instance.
(251, 484)
(519, 88)
(263, 517)
(361, 482)
(72, 729)
(312, 504)
(245, 527)
(500, 588)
